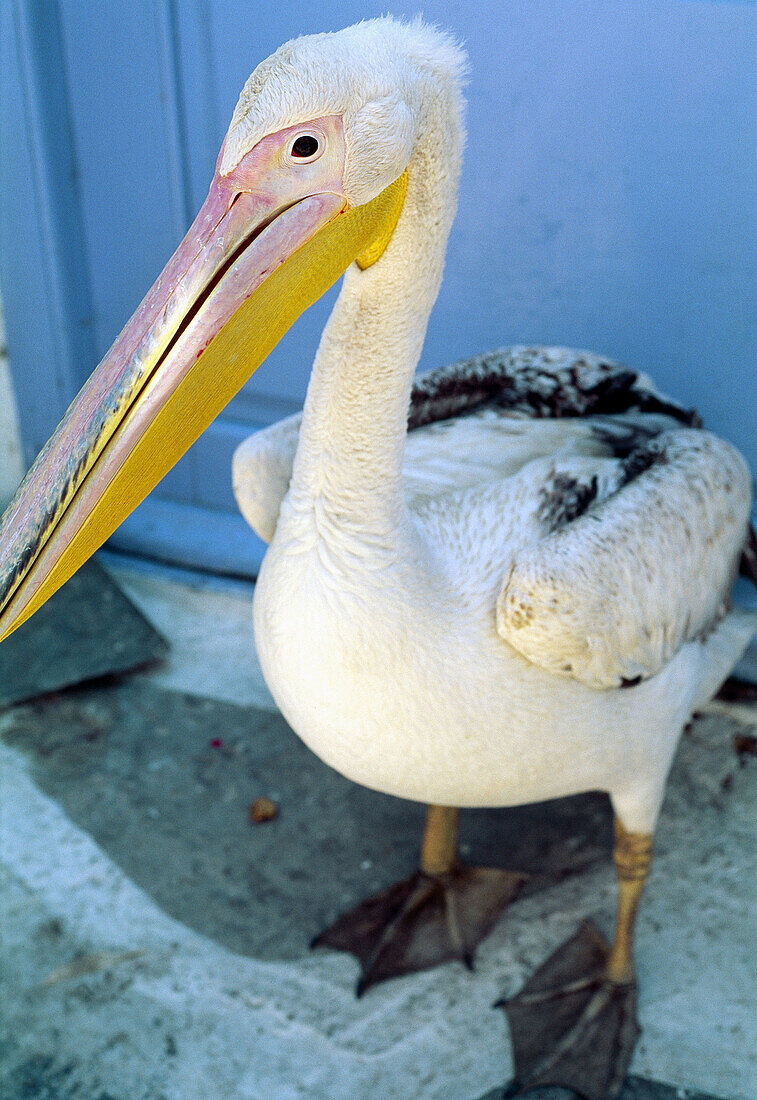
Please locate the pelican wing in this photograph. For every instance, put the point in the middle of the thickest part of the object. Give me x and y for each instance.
(619, 584)
(261, 471)
(463, 423)
(618, 529)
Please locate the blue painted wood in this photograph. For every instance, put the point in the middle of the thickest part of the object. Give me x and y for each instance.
(44, 275)
(608, 195)
(191, 535)
(194, 50)
(607, 201)
(127, 152)
(167, 34)
(28, 332)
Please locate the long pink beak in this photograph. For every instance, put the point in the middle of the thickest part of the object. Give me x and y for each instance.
(250, 264)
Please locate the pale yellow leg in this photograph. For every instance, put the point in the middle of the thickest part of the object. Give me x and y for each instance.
(439, 848)
(574, 1022)
(632, 855)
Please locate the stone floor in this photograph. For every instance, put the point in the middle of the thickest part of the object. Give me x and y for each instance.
(154, 940)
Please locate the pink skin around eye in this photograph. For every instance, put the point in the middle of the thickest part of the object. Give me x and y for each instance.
(257, 169)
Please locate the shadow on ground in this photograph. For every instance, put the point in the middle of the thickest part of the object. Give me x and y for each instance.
(41, 1079)
(635, 1088)
(87, 629)
(164, 782)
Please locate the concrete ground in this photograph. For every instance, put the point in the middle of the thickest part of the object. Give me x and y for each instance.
(154, 941)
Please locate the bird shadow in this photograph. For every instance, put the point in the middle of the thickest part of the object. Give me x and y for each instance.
(166, 784)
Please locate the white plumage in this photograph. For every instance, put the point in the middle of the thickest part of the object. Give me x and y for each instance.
(448, 712)
(610, 597)
(505, 581)
(424, 619)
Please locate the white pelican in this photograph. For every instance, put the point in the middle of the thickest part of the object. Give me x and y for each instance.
(526, 600)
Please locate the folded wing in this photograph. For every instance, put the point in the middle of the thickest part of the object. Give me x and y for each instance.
(618, 526)
(611, 595)
(527, 383)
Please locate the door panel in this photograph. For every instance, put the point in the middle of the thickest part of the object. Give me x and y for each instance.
(604, 203)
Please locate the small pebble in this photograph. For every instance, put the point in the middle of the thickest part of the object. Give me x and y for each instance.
(262, 809)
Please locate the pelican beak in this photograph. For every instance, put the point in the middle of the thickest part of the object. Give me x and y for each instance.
(243, 274)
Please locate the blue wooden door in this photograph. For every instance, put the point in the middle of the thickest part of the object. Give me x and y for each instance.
(607, 202)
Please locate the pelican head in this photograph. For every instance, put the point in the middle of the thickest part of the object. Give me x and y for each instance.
(311, 177)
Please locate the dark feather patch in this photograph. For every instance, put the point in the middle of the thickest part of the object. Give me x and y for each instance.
(748, 563)
(536, 383)
(641, 459)
(622, 437)
(564, 499)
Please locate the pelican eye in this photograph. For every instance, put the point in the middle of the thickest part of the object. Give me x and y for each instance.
(305, 147)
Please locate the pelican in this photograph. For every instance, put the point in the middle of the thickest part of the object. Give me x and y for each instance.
(524, 596)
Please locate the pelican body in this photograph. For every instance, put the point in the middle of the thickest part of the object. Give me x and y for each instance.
(524, 596)
(411, 605)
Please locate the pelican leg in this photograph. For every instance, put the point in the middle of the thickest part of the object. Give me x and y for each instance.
(574, 1022)
(440, 913)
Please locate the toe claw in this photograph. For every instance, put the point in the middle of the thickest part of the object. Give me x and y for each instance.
(422, 921)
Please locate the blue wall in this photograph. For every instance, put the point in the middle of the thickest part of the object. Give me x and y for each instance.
(608, 196)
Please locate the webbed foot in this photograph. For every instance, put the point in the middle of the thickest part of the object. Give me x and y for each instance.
(423, 920)
(571, 1025)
